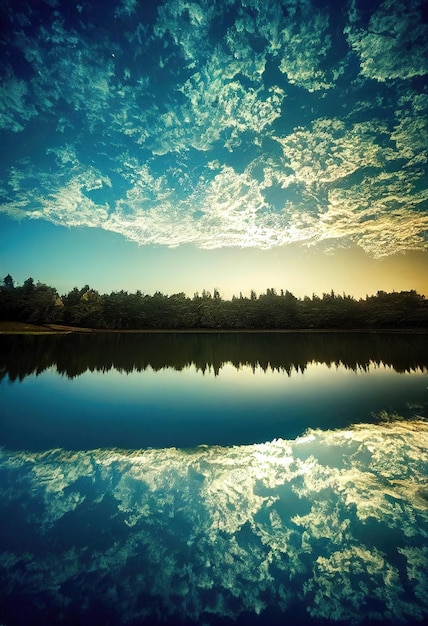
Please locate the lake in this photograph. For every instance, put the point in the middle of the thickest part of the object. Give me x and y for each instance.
(214, 478)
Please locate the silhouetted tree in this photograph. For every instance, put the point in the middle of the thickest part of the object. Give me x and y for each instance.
(39, 303)
(8, 282)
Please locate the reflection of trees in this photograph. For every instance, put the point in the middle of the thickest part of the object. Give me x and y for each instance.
(74, 354)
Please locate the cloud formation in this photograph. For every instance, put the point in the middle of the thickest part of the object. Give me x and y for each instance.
(334, 523)
(240, 124)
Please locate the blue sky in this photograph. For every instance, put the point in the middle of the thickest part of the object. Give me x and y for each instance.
(180, 145)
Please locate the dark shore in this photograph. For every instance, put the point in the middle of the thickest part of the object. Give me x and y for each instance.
(20, 328)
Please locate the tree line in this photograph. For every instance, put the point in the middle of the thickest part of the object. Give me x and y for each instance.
(38, 303)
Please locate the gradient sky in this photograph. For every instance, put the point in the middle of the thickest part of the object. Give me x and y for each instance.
(179, 145)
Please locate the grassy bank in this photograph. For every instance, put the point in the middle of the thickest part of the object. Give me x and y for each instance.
(47, 329)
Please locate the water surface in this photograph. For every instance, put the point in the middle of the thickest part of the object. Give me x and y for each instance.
(214, 479)
(162, 390)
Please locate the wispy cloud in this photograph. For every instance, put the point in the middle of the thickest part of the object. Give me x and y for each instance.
(16, 107)
(395, 44)
(231, 125)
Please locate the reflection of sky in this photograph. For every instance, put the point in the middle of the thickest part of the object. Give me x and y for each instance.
(187, 407)
(327, 529)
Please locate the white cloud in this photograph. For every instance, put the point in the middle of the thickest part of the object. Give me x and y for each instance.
(378, 215)
(69, 206)
(232, 208)
(379, 211)
(16, 108)
(382, 215)
(331, 150)
(188, 24)
(68, 67)
(302, 52)
(126, 7)
(411, 133)
(216, 107)
(395, 45)
(62, 201)
(356, 178)
(295, 33)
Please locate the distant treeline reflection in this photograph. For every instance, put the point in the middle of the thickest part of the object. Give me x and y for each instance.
(74, 354)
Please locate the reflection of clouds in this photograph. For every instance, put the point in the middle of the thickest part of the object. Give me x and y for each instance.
(244, 86)
(360, 575)
(226, 530)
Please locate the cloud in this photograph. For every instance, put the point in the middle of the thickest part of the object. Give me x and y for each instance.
(230, 530)
(362, 576)
(303, 51)
(225, 208)
(395, 45)
(231, 125)
(331, 150)
(65, 202)
(231, 210)
(411, 132)
(354, 178)
(15, 107)
(126, 8)
(68, 68)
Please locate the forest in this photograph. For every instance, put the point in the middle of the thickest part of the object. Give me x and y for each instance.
(38, 303)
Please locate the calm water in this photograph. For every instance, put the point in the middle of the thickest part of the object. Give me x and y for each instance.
(214, 479)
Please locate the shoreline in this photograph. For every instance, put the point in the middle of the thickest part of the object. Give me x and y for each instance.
(20, 328)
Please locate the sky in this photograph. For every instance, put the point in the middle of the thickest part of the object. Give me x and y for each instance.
(177, 145)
